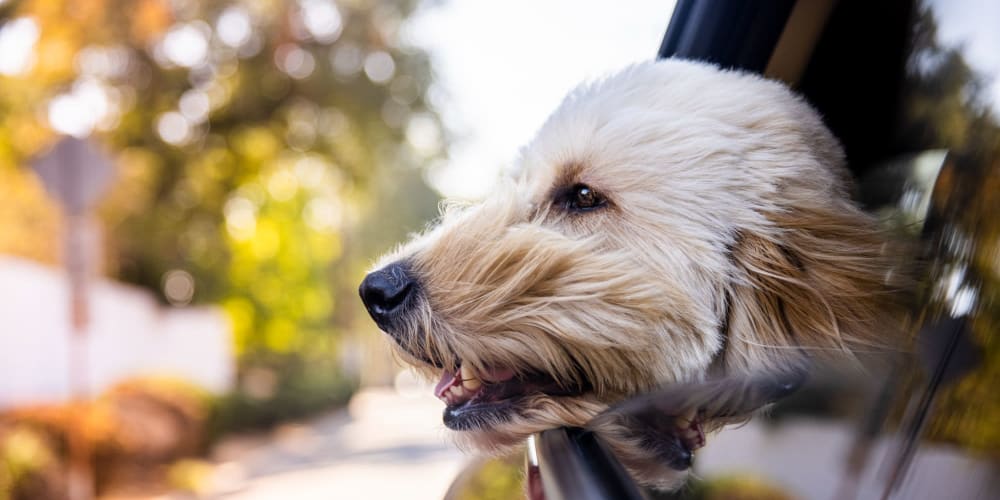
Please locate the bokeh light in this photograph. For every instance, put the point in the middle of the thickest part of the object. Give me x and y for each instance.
(79, 111)
(173, 128)
(186, 44)
(17, 41)
(178, 287)
(379, 67)
(294, 61)
(234, 27)
(322, 19)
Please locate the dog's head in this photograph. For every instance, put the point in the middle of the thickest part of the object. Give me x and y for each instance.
(668, 223)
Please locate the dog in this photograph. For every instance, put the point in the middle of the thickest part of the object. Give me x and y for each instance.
(669, 224)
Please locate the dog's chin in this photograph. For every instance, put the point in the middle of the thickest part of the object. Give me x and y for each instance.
(501, 428)
(474, 415)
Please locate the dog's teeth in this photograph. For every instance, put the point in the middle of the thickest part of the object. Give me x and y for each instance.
(470, 379)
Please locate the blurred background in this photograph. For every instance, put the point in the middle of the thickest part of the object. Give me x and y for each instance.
(191, 190)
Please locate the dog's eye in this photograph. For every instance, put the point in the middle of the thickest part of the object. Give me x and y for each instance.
(582, 198)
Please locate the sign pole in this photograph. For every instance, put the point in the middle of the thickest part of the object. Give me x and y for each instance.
(75, 173)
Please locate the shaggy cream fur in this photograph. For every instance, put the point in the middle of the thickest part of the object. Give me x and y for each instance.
(724, 242)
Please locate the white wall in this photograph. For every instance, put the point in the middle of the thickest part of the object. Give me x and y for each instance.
(129, 335)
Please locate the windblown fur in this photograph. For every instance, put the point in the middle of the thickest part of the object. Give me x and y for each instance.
(728, 245)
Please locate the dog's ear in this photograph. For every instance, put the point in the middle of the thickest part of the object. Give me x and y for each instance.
(820, 284)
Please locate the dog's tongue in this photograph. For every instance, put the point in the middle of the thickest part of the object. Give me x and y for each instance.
(448, 380)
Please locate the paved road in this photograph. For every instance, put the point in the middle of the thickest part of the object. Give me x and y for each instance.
(385, 445)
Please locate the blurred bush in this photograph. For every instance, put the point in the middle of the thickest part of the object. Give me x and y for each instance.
(29, 468)
(490, 479)
(129, 434)
(734, 487)
(191, 476)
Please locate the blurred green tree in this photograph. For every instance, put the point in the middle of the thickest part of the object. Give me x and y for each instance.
(946, 104)
(266, 150)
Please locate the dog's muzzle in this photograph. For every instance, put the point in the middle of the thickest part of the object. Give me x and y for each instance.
(387, 294)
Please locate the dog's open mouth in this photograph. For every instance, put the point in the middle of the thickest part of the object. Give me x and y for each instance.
(476, 398)
(479, 399)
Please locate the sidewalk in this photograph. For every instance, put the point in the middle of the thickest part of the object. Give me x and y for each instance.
(385, 445)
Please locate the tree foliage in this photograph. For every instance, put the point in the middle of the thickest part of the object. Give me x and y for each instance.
(257, 145)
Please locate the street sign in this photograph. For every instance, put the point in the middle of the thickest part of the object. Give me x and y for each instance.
(76, 173)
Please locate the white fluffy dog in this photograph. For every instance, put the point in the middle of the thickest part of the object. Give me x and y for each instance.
(670, 223)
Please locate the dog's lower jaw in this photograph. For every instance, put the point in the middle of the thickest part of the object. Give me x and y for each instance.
(532, 414)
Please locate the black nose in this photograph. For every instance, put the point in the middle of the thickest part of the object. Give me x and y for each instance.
(385, 292)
